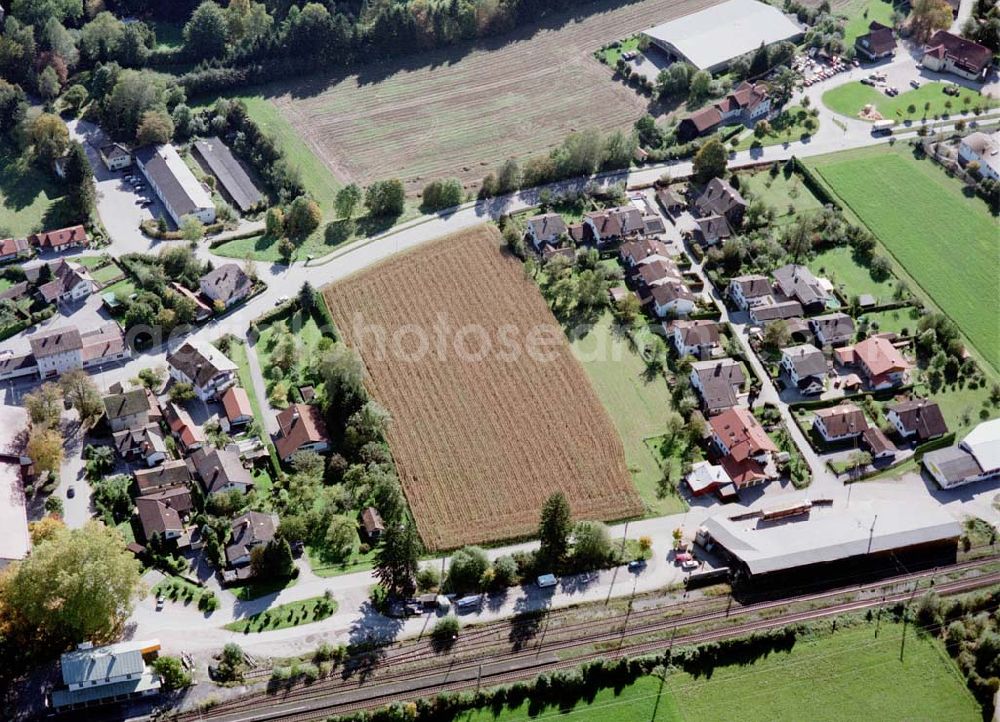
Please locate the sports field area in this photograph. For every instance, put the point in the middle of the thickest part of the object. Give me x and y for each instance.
(461, 111)
(848, 675)
(945, 241)
(491, 413)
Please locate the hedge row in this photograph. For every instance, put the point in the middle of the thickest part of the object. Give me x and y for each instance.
(817, 187)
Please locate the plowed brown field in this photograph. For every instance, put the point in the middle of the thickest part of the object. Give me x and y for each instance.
(480, 438)
(461, 111)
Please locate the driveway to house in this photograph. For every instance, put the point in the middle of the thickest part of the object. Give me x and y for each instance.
(260, 388)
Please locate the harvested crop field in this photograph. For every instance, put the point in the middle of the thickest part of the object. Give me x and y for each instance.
(460, 111)
(491, 413)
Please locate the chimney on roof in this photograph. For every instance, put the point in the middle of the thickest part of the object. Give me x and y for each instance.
(295, 413)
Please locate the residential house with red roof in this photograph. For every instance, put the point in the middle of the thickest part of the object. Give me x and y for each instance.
(949, 53)
(60, 240)
(744, 446)
(301, 428)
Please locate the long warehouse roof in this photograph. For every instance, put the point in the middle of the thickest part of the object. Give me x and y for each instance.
(827, 534)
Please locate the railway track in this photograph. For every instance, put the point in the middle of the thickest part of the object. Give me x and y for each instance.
(388, 682)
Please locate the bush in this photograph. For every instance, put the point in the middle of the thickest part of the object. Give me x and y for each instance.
(504, 571)
(172, 672)
(445, 632)
(440, 194)
(428, 578)
(466, 570)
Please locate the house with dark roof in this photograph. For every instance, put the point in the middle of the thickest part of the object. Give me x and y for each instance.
(879, 42)
(171, 473)
(220, 470)
(798, 283)
(116, 156)
(301, 428)
(235, 183)
(776, 311)
(670, 298)
(698, 123)
(721, 199)
(839, 423)
(175, 185)
(949, 53)
(832, 329)
(806, 368)
(750, 290)
(127, 410)
(976, 458)
(143, 444)
(655, 272)
(12, 249)
(645, 250)
(877, 443)
(60, 240)
(372, 523)
(917, 419)
(547, 228)
(163, 513)
(249, 530)
(228, 284)
(746, 103)
(718, 382)
(711, 230)
(205, 367)
(614, 224)
(68, 283)
(694, 338)
(673, 203)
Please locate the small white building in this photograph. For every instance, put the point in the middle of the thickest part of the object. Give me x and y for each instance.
(95, 675)
(116, 156)
(984, 149)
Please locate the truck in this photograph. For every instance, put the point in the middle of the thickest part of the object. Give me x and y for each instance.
(883, 127)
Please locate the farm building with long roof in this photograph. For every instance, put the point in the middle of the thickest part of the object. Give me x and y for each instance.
(711, 38)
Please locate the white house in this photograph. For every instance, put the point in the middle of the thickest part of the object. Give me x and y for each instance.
(174, 183)
(983, 149)
(672, 298)
(749, 291)
(805, 366)
(695, 338)
(839, 423)
(545, 228)
(116, 156)
(92, 674)
(203, 366)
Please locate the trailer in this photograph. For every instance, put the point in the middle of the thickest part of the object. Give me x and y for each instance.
(707, 578)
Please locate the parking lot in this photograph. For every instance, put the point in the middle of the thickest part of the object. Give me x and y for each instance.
(119, 200)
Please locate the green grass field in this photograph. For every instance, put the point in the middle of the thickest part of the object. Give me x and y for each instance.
(107, 274)
(283, 616)
(862, 12)
(838, 265)
(849, 98)
(28, 197)
(897, 320)
(638, 408)
(788, 126)
(781, 193)
(849, 675)
(944, 240)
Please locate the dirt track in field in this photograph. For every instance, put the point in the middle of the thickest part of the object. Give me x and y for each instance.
(461, 111)
(480, 439)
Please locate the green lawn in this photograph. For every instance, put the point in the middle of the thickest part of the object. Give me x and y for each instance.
(849, 98)
(960, 406)
(122, 289)
(637, 407)
(283, 616)
(609, 55)
(781, 192)
(850, 675)
(862, 12)
(787, 126)
(305, 330)
(944, 240)
(90, 262)
(323, 567)
(28, 197)
(897, 320)
(253, 590)
(107, 274)
(838, 265)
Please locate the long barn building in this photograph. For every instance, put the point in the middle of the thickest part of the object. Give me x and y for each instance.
(816, 545)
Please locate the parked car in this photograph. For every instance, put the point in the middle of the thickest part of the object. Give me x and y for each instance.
(159, 602)
(468, 603)
(280, 300)
(682, 557)
(915, 83)
(547, 580)
(689, 565)
(70, 492)
(637, 565)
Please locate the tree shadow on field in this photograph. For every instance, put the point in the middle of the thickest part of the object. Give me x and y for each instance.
(376, 66)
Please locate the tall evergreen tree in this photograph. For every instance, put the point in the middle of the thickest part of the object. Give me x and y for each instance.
(554, 528)
(397, 558)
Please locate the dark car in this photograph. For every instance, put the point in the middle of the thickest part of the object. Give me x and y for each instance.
(70, 492)
(637, 565)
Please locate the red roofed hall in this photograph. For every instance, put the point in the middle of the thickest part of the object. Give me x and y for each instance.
(60, 240)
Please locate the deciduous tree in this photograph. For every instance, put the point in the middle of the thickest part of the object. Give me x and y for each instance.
(80, 391)
(710, 161)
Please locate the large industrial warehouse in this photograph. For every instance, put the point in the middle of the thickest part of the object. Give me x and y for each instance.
(711, 38)
(826, 543)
